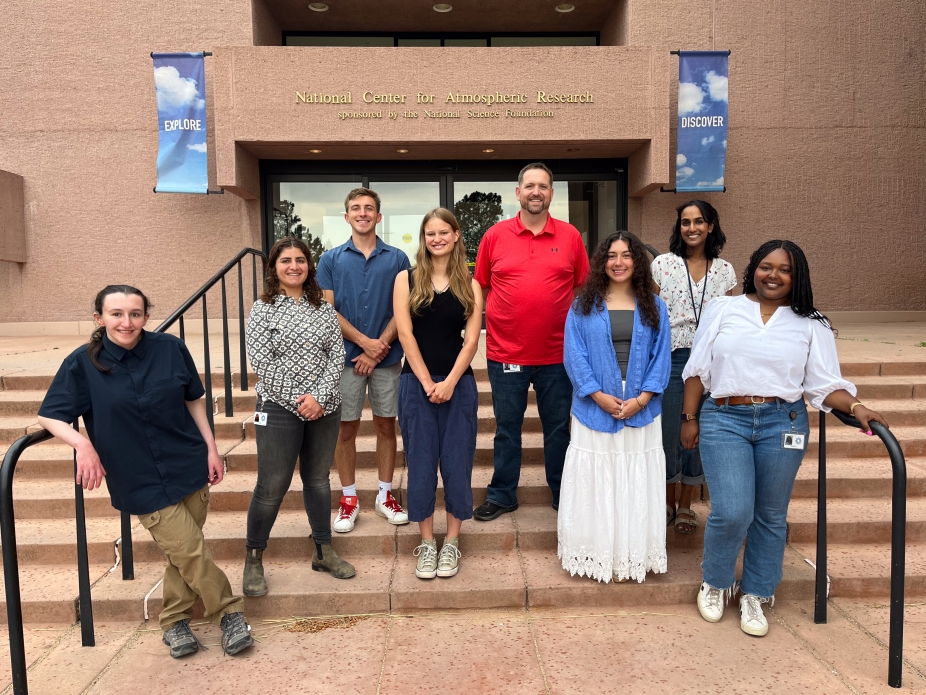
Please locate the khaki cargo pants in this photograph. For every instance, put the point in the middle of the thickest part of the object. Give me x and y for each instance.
(190, 572)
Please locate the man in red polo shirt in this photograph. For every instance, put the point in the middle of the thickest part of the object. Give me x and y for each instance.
(530, 266)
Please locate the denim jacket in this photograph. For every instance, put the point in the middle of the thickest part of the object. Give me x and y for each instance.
(592, 366)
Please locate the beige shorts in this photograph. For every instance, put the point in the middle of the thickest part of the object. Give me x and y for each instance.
(384, 392)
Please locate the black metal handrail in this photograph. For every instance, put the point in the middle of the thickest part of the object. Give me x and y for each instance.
(11, 458)
(898, 538)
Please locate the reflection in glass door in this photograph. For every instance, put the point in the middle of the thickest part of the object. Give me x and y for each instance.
(404, 204)
(313, 212)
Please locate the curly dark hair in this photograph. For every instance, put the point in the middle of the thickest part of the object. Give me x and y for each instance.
(272, 283)
(715, 240)
(801, 291)
(593, 292)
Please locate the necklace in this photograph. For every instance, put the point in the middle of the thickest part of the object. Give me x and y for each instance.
(437, 291)
(700, 310)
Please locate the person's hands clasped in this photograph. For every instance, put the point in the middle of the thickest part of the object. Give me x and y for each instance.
(309, 407)
(90, 471)
(608, 403)
(441, 391)
(375, 349)
(690, 434)
(629, 408)
(364, 365)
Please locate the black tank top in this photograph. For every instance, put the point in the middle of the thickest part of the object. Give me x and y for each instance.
(438, 330)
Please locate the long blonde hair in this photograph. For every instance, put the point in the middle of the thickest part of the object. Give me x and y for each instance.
(422, 293)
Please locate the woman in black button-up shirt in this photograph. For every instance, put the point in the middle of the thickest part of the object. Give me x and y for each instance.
(140, 397)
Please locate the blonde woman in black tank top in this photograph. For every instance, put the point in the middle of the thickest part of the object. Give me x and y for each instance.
(438, 312)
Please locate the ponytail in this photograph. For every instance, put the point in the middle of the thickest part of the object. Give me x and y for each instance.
(94, 347)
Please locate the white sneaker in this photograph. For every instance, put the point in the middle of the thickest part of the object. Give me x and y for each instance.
(710, 603)
(752, 619)
(392, 510)
(347, 514)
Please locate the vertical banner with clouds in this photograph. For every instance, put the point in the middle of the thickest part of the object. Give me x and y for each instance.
(702, 121)
(180, 85)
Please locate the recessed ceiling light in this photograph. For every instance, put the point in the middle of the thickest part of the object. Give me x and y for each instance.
(565, 7)
(318, 7)
(442, 7)
(489, 149)
(315, 151)
(402, 151)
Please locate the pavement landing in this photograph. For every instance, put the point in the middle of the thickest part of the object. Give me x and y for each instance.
(659, 649)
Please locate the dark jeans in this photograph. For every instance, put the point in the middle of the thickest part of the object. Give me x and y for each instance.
(681, 464)
(280, 442)
(509, 401)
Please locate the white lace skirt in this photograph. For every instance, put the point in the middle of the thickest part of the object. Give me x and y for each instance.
(612, 503)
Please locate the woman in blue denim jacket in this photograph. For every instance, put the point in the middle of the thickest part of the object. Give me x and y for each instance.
(618, 357)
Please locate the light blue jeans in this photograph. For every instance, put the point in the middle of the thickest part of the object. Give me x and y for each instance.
(750, 476)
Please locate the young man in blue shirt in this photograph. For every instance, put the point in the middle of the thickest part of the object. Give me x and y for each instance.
(357, 278)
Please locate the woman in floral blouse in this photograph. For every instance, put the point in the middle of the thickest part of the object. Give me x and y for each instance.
(687, 279)
(295, 345)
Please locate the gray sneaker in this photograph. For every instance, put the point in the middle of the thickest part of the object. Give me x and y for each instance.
(449, 560)
(427, 559)
(236, 633)
(181, 640)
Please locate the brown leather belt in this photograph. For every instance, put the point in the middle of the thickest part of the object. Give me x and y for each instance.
(745, 400)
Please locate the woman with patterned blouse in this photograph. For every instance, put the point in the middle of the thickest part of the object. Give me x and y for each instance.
(297, 351)
(687, 278)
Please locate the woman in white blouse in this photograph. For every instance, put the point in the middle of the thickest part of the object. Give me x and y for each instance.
(687, 278)
(758, 354)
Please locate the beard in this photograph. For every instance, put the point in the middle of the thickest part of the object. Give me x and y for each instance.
(538, 205)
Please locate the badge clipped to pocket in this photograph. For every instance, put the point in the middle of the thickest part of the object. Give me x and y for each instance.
(793, 440)
(510, 368)
(260, 418)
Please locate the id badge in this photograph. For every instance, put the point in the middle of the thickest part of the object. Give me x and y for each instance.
(260, 418)
(510, 368)
(793, 440)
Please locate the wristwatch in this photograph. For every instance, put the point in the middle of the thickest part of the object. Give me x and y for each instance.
(687, 416)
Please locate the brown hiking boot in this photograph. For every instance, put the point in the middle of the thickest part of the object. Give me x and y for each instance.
(326, 560)
(253, 583)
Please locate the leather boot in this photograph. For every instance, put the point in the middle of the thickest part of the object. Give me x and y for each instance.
(253, 583)
(326, 560)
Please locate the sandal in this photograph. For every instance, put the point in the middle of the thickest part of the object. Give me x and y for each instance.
(670, 514)
(687, 525)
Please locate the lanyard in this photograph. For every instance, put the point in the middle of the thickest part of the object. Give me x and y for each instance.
(699, 311)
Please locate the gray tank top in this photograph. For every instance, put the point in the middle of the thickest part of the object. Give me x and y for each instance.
(621, 334)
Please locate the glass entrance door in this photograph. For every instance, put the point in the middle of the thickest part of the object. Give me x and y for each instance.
(405, 203)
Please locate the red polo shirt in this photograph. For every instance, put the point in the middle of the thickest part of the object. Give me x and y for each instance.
(530, 281)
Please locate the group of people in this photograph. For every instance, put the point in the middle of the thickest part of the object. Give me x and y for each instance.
(620, 352)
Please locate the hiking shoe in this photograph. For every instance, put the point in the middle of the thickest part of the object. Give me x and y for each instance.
(253, 582)
(236, 633)
(752, 619)
(710, 603)
(448, 562)
(181, 640)
(392, 510)
(324, 559)
(427, 559)
(489, 510)
(347, 514)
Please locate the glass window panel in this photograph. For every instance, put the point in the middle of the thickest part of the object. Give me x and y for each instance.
(465, 42)
(404, 206)
(350, 41)
(312, 211)
(509, 41)
(419, 42)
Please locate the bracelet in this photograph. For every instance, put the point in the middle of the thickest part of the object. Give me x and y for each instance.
(852, 408)
(640, 403)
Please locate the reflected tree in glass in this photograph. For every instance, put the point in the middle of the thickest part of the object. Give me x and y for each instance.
(476, 212)
(287, 223)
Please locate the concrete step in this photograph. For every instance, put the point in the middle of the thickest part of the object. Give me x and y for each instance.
(890, 386)
(512, 579)
(864, 520)
(40, 381)
(50, 592)
(861, 570)
(854, 478)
